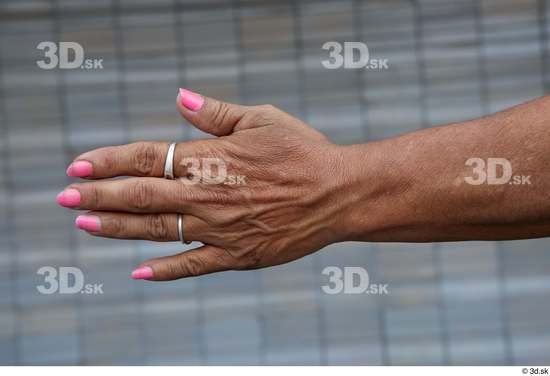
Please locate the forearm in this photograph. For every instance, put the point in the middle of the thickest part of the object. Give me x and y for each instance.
(416, 188)
(301, 192)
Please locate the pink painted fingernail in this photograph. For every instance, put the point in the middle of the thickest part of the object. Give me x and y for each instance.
(79, 169)
(88, 222)
(145, 272)
(69, 198)
(190, 100)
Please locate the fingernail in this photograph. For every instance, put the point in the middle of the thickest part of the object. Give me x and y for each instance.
(88, 222)
(79, 169)
(190, 100)
(69, 198)
(145, 272)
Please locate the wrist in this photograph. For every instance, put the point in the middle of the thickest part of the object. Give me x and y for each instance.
(376, 192)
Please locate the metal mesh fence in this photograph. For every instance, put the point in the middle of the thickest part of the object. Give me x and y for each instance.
(454, 303)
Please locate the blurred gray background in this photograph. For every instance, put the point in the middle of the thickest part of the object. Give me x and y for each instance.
(456, 303)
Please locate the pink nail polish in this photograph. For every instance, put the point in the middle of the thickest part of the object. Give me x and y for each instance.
(145, 272)
(79, 169)
(190, 100)
(88, 222)
(69, 198)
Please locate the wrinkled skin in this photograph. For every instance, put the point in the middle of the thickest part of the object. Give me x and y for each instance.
(303, 192)
(285, 206)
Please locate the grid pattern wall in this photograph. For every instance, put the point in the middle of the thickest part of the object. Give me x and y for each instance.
(449, 60)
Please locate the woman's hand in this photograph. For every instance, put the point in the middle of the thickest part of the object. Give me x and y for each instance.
(282, 196)
(280, 190)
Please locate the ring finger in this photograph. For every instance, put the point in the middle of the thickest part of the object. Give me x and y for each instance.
(155, 227)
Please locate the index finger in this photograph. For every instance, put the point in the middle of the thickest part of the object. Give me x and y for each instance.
(140, 159)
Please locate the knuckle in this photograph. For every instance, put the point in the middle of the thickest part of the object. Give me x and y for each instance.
(90, 194)
(260, 117)
(221, 112)
(114, 226)
(96, 197)
(173, 271)
(108, 158)
(140, 195)
(267, 107)
(156, 227)
(144, 158)
(192, 265)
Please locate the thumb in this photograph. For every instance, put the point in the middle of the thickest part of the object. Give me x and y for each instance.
(208, 114)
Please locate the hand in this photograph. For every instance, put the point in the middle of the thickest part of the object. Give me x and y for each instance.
(287, 203)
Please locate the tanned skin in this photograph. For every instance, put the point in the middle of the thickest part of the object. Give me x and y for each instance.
(300, 192)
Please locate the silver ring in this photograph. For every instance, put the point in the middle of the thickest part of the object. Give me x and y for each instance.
(169, 163)
(180, 230)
